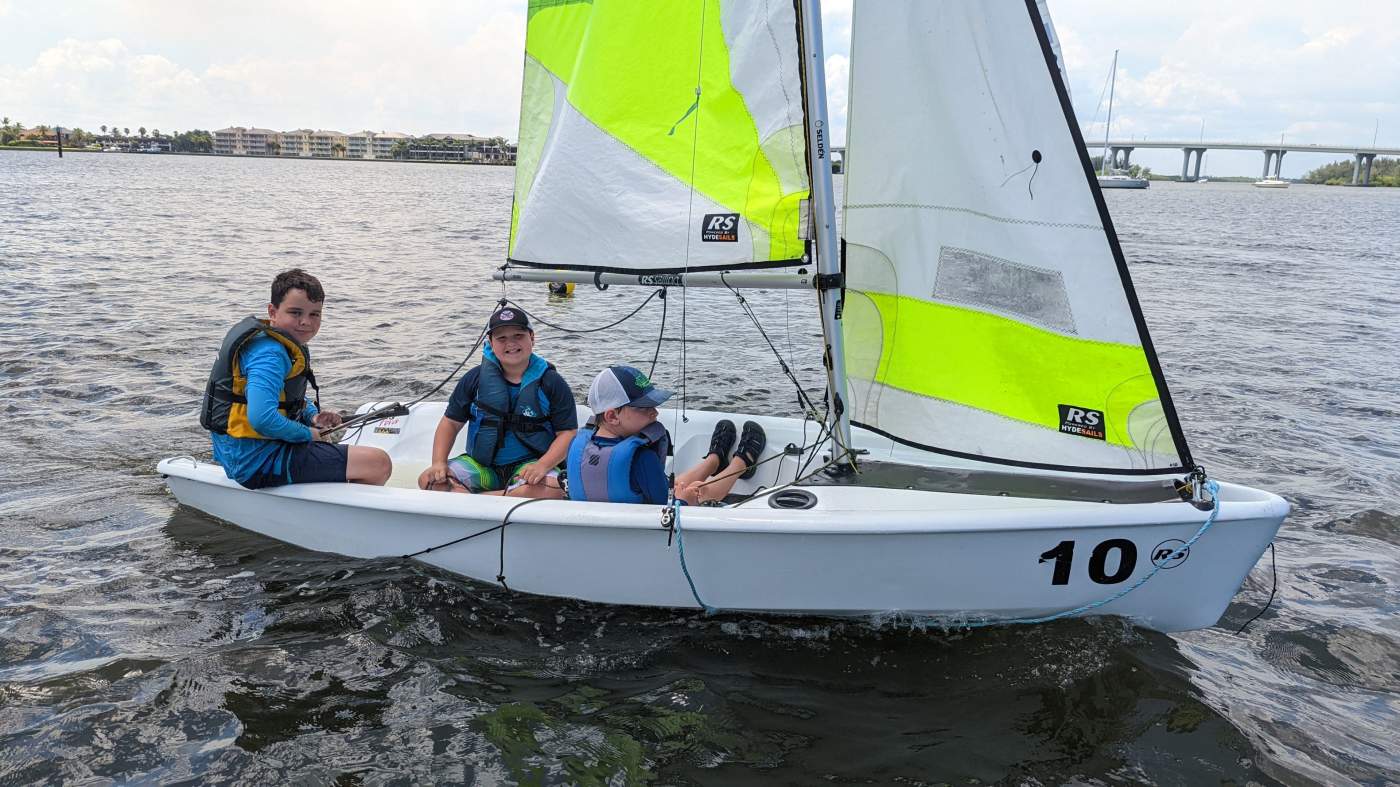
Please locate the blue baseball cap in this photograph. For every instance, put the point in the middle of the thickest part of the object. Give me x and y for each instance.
(624, 386)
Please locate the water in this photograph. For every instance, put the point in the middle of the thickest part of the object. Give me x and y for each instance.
(143, 642)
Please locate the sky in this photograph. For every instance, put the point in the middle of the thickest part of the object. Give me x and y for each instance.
(1249, 70)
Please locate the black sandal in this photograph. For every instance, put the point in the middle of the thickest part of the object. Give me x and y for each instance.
(722, 441)
(751, 445)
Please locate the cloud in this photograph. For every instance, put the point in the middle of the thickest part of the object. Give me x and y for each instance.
(1250, 69)
(75, 81)
(426, 67)
(838, 78)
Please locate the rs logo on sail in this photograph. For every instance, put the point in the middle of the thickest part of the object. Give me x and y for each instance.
(1081, 421)
(720, 228)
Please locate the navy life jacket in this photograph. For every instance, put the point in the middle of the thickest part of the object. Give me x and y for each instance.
(493, 418)
(225, 406)
(603, 473)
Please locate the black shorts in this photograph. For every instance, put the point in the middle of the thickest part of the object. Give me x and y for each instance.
(308, 463)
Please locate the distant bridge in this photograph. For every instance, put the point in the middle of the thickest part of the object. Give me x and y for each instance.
(1121, 151)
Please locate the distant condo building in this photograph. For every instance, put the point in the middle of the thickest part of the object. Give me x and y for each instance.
(293, 143)
(240, 141)
(369, 144)
(321, 143)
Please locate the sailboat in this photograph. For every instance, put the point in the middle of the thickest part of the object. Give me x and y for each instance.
(996, 444)
(1108, 177)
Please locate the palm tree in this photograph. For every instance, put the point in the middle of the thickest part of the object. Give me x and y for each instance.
(126, 132)
(155, 132)
(142, 132)
(338, 150)
(104, 130)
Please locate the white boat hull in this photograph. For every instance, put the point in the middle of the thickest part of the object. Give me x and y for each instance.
(1122, 182)
(860, 551)
(1271, 184)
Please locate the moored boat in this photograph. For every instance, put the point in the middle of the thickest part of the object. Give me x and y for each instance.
(1122, 182)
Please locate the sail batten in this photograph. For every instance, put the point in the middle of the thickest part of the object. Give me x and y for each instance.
(989, 313)
(661, 137)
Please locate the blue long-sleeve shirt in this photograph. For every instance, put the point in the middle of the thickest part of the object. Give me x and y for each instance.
(265, 363)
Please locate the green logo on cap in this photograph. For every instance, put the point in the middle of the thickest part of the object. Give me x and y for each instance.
(641, 381)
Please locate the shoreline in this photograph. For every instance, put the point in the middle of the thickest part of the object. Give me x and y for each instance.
(54, 150)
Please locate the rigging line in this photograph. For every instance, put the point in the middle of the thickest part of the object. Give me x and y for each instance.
(386, 412)
(504, 522)
(718, 478)
(1273, 563)
(680, 550)
(661, 335)
(690, 208)
(614, 324)
(845, 453)
(501, 566)
(753, 317)
(780, 487)
(1102, 92)
(1212, 486)
(823, 432)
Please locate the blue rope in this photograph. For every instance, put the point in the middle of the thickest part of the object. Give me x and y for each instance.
(1211, 486)
(680, 544)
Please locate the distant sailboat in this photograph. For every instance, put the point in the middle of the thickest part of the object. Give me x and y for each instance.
(1276, 181)
(1108, 179)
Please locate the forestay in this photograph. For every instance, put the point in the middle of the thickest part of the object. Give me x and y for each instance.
(989, 312)
(661, 137)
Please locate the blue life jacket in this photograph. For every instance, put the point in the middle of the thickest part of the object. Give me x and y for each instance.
(603, 473)
(493, 418)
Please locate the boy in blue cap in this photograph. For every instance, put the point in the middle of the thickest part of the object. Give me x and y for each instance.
(620, 456)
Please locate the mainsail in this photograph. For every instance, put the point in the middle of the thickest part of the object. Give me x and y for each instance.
(661, 137)
(989, 312)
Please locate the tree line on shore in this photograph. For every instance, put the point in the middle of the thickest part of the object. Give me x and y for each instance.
(1384, 172)
(15, 134)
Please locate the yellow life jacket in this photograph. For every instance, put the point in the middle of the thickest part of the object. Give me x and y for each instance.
(225, 407)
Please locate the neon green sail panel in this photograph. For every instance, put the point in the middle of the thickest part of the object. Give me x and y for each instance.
(661, 136)
(988, 312)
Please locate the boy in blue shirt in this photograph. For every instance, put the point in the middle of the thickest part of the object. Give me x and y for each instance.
(522, 419)
(620, 456)
(264, 431)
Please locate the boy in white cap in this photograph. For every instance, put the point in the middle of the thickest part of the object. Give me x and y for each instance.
(620, 456)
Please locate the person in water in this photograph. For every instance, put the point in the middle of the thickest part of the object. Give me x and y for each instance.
(620, 455)
(265, 432)
(522, 419)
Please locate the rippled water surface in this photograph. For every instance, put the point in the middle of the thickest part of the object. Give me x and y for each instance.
(144, 642)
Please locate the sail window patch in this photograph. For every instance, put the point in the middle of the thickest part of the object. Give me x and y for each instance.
(982, 281)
